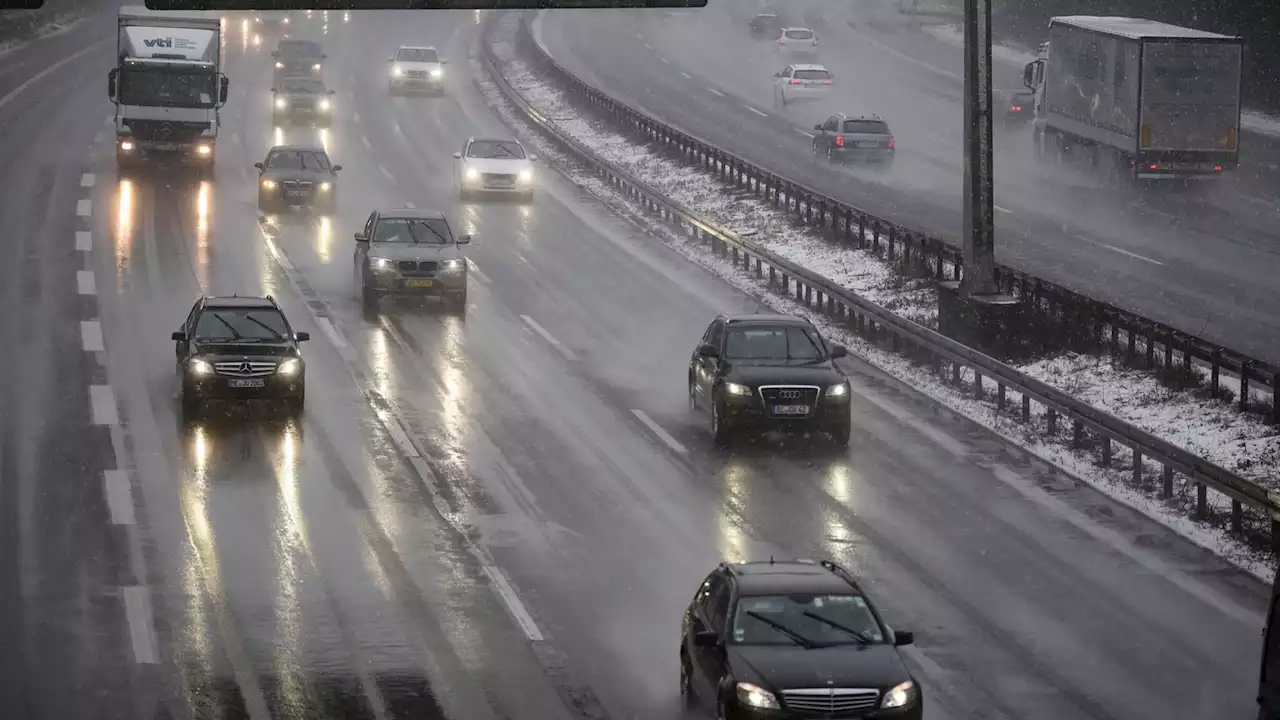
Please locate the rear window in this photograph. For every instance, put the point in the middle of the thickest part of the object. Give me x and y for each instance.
(812, 75)
(876, 127)
(799, 34)
(425, 55)
(302, 48)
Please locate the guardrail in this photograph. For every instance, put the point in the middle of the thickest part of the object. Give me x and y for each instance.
(882, 326)
(26, 24)
(1088, 323)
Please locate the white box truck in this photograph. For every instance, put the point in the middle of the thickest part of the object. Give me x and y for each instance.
(167, 87)
(1139, 98)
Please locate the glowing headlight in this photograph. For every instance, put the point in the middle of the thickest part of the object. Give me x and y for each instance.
(397, 71)
(473, 174)
(756, 696)
(525, 176)
(325, 105)
(289, 367)
(455, 264)
(315, 68)
(199, 367)
(284, 21)
(269, 184)
(838, 390)
(204, 150)
(279, 66)
(437, 72)
(735, 389)
(326, 186)
(379, 263)
(126, 145)
(900, 696)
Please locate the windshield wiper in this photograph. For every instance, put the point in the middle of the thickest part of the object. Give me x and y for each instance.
(274, 335)
(413, 234)
(433, 231)
(799, 639)
(235, 334)
(858, 635)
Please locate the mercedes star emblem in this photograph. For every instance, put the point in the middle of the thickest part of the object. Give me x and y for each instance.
(245, 369)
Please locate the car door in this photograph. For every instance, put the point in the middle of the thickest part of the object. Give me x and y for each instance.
(710, 663)
(709, 368)
(360, 257)
(183, 347)
(829, 131)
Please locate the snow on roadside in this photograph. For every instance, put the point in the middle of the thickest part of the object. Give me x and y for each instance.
(1211, 429)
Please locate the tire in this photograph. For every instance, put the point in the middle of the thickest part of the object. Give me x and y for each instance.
(693, 397)
(457, 302)
(297, 403)
(721, 433)
(688, 700)
(840, 434)
(191, 404)
(368, 297)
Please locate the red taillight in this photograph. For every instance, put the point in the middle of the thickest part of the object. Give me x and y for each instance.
(891, 142)
(1016, 108)
(796, 82)
(782, 41)
(827, 81)
(839, 141)
(1153, 166)
(815, 42)
(1217, 168)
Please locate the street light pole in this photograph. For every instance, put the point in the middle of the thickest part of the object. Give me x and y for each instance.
(979, 203)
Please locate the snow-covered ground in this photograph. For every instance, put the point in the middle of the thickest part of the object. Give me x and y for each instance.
(1209, 428)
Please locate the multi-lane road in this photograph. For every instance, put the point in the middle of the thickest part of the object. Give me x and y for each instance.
(1202, 261)
(496, 516)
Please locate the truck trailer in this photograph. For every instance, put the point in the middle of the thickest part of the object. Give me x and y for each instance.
(167, 87)
(1139, 98)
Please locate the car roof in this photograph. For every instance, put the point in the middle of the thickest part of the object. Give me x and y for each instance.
(766, 15)
(805, 29)
(767, 577)
(873, 117)
(412, 213)
(808, 66)
(417, 47)
(304, 148)
(249, 301)
(494, 139)
(766, 319)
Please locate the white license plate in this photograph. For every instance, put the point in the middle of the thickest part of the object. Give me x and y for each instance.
(247, 383)
(870, 144)
(790, 409)
(295, 193)
(166, 146)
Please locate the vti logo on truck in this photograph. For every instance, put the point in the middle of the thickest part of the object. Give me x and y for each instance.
(170, 42)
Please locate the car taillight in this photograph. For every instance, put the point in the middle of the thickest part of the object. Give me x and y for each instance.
(1153, 166)
(892, 144)
(1016, 108)
(1217, 168)
(839, 141)
(782, 41)
(815, 42)
(796, 82)
(827, 81)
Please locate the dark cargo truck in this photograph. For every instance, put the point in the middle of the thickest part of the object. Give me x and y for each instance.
(1140, 98)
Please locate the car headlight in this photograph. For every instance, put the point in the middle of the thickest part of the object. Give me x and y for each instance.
(473, 174)
(269, 184)
(756, 696)
(397, 71)
(289, 367)
(279, 66)
(437, 72)
(315, 68)
(840, 390)
(326, 186)
(737, 389)
(325, 105)
(901, 695)
(455, 264)
(525, 176)
(281, 103)
(204, 150)
(199, 367)
(379, 263)
(126, 146)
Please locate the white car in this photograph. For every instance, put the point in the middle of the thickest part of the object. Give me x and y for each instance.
(494, 165)
(416, 68)
(801, 82)
(798, 42)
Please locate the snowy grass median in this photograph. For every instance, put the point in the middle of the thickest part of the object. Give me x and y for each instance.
(1211, 428)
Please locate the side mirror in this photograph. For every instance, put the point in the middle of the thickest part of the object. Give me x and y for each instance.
(903, 637)
(839, 351)
(708, 351)
(223, 84)
(361, 238)
(111, 83)
(464, 240)
(533, 158)
(1029, 74)
(706, 638)
(302, 336)
(179, 336)
(336, 168)
(260, 166)
(457, 156)
(323, 56)
(817, 127)
(444, 62)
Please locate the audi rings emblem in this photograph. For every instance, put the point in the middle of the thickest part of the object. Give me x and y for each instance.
(166, 130)
(789, 394)
(246, 369)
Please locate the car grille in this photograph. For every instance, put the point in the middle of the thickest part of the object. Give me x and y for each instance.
(412, 267)
(238, 368)
(303, 185)
(830, 702)
(165, 131)
(789, 395)
(499, 179)
(302, 104)
(417, 73)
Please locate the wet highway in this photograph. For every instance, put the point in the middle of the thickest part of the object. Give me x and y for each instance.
(496, 516)
(1200, 260)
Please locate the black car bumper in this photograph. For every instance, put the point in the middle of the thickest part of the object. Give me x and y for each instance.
(761, 411)
(738, 711)
(279, 198)
(221, 387)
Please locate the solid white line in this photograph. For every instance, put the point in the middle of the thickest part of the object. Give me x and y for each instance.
(410, 205)
(1003, 210)
(278, 255)
(8, 98)
(475, 271)
(85, 283)
(805, 133)
(84, 241)
(326, 327)
(119, 497)
(86, 180)
(91, 336)
(663, 435)
(386, 172)
(761, 114)
(137, 610)
(83, 207)
(566, 352)
(714, 91)
(512, 601)
(1133, 255)
(103, 404)
(366, 142)
(686, 76)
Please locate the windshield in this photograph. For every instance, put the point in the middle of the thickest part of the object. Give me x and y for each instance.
(812, 75)
(239, 324)
(301, 85)
(819, 620)
(495, 149)
(799, 35)
(773, 343)
(430, 231)
(168, 87)
(300, 49)
(297, 160)
(425, 55)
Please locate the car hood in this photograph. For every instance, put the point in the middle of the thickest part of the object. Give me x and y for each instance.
(749, 373)
(414, 65)
(299, 59)
(222, 351)
(286, 174)
(301, 94)
(784, 667)
(497, 165)
(410, 251)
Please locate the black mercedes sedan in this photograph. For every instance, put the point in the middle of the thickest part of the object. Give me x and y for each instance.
(792, 640)
(297, 176)
(239, 348)
(768, 372)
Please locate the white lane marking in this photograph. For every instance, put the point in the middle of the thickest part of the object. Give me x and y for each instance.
(84, 241)
(410, 205)
(85, 284)
(805, 133)
(102, 401)
(8, 98)
(638, 36)
(566, 352)
(280, 257)
(398, 434)
(1115, 249)
(512, 601)
(355, 116)
(84, 207)
(475, 271)
(668, 62)
(686, 76)
(91, 336)
(714, 91)
(761, 114)
(1003, 210)
(366, 142)
(648, 46)
(657, 429)
(86, 180)
(383, 169)
(137, 610)
(119, 497)
(326, 327)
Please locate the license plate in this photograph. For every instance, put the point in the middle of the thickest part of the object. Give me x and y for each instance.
(247, 383)
(790, 409)
(869, 144)
(418, 283)
(165, 146)
(295, 193)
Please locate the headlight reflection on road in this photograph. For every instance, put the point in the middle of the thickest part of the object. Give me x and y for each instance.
(277, 136)
(124, 226)
(199, 578)
(730, 539)
(380, 360)
(324, 238)
(326, 140)
(290, 533)
(454, 387)
(202, 233)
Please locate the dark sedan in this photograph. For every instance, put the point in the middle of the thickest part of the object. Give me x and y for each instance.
(768, 372)
(298, 58)
(297, 176)
(766, 25)
(301, 100)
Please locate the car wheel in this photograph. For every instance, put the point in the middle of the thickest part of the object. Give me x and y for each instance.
(693, 396)
(687, 699)
(840, 434)
(297, 403)
(721, 433)
(457, 302)
(722, 712)
(191, 404)
(368, 297)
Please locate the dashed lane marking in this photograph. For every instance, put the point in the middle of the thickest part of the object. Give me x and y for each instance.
(758, 112)
(137, 607)
(84, 207)
(664, 60)
(91, 336)
(85, 284)
(475, 270)
(714, 91)
(84, 241)
(86, 180)
(102, 403)
(647, 46)
(564, 351)
(119, 497)
(686, 75)
(383, 169)
(805, 133)
(1003, 210)
(657, 429)
(366, 142)
(512, 601)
